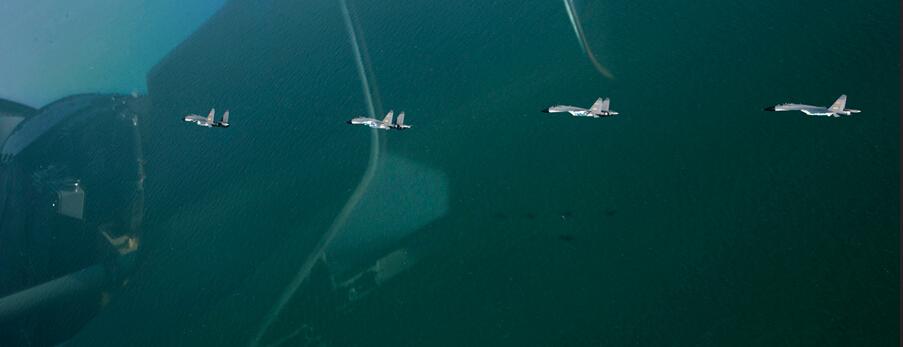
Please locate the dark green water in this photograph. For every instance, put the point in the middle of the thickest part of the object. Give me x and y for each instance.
(693, 218)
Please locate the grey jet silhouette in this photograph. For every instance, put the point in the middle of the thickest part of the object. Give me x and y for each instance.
(384, 124)
(836, 110)
(599, 109)
(208, 121)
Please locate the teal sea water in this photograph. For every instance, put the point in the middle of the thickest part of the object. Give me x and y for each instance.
(691, 219)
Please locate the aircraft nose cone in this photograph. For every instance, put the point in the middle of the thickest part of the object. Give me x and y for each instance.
(347, 122)
(545, 110)
(770, 109)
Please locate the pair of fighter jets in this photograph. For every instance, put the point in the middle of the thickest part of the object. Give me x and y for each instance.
(208, 121)
(384, 124)
(599, 109)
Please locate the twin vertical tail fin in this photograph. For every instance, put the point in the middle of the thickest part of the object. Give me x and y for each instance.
(839, 104)
(600, 105)
(226, 117)
(400, 121)
(210, 116)
(388, 119)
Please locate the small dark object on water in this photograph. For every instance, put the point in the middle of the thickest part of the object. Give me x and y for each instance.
(531, 215)
(566, 237)
(610, 212)
(565, 215)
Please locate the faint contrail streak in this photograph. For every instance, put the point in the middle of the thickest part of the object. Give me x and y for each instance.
(342, 217)
(581, 38)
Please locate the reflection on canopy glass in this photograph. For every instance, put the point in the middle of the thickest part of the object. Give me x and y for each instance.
(384, 173)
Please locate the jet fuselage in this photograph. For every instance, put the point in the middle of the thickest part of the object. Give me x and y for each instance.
(579, 112)
(810, 110)
(588, 113)
(837, 109)
(199, 121)
(370, 122)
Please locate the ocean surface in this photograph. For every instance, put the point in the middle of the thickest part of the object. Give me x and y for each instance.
(693, 218)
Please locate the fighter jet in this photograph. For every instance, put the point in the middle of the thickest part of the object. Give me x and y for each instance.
(208, 121)
(836, 110)
(598, 110)
(384, 124)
